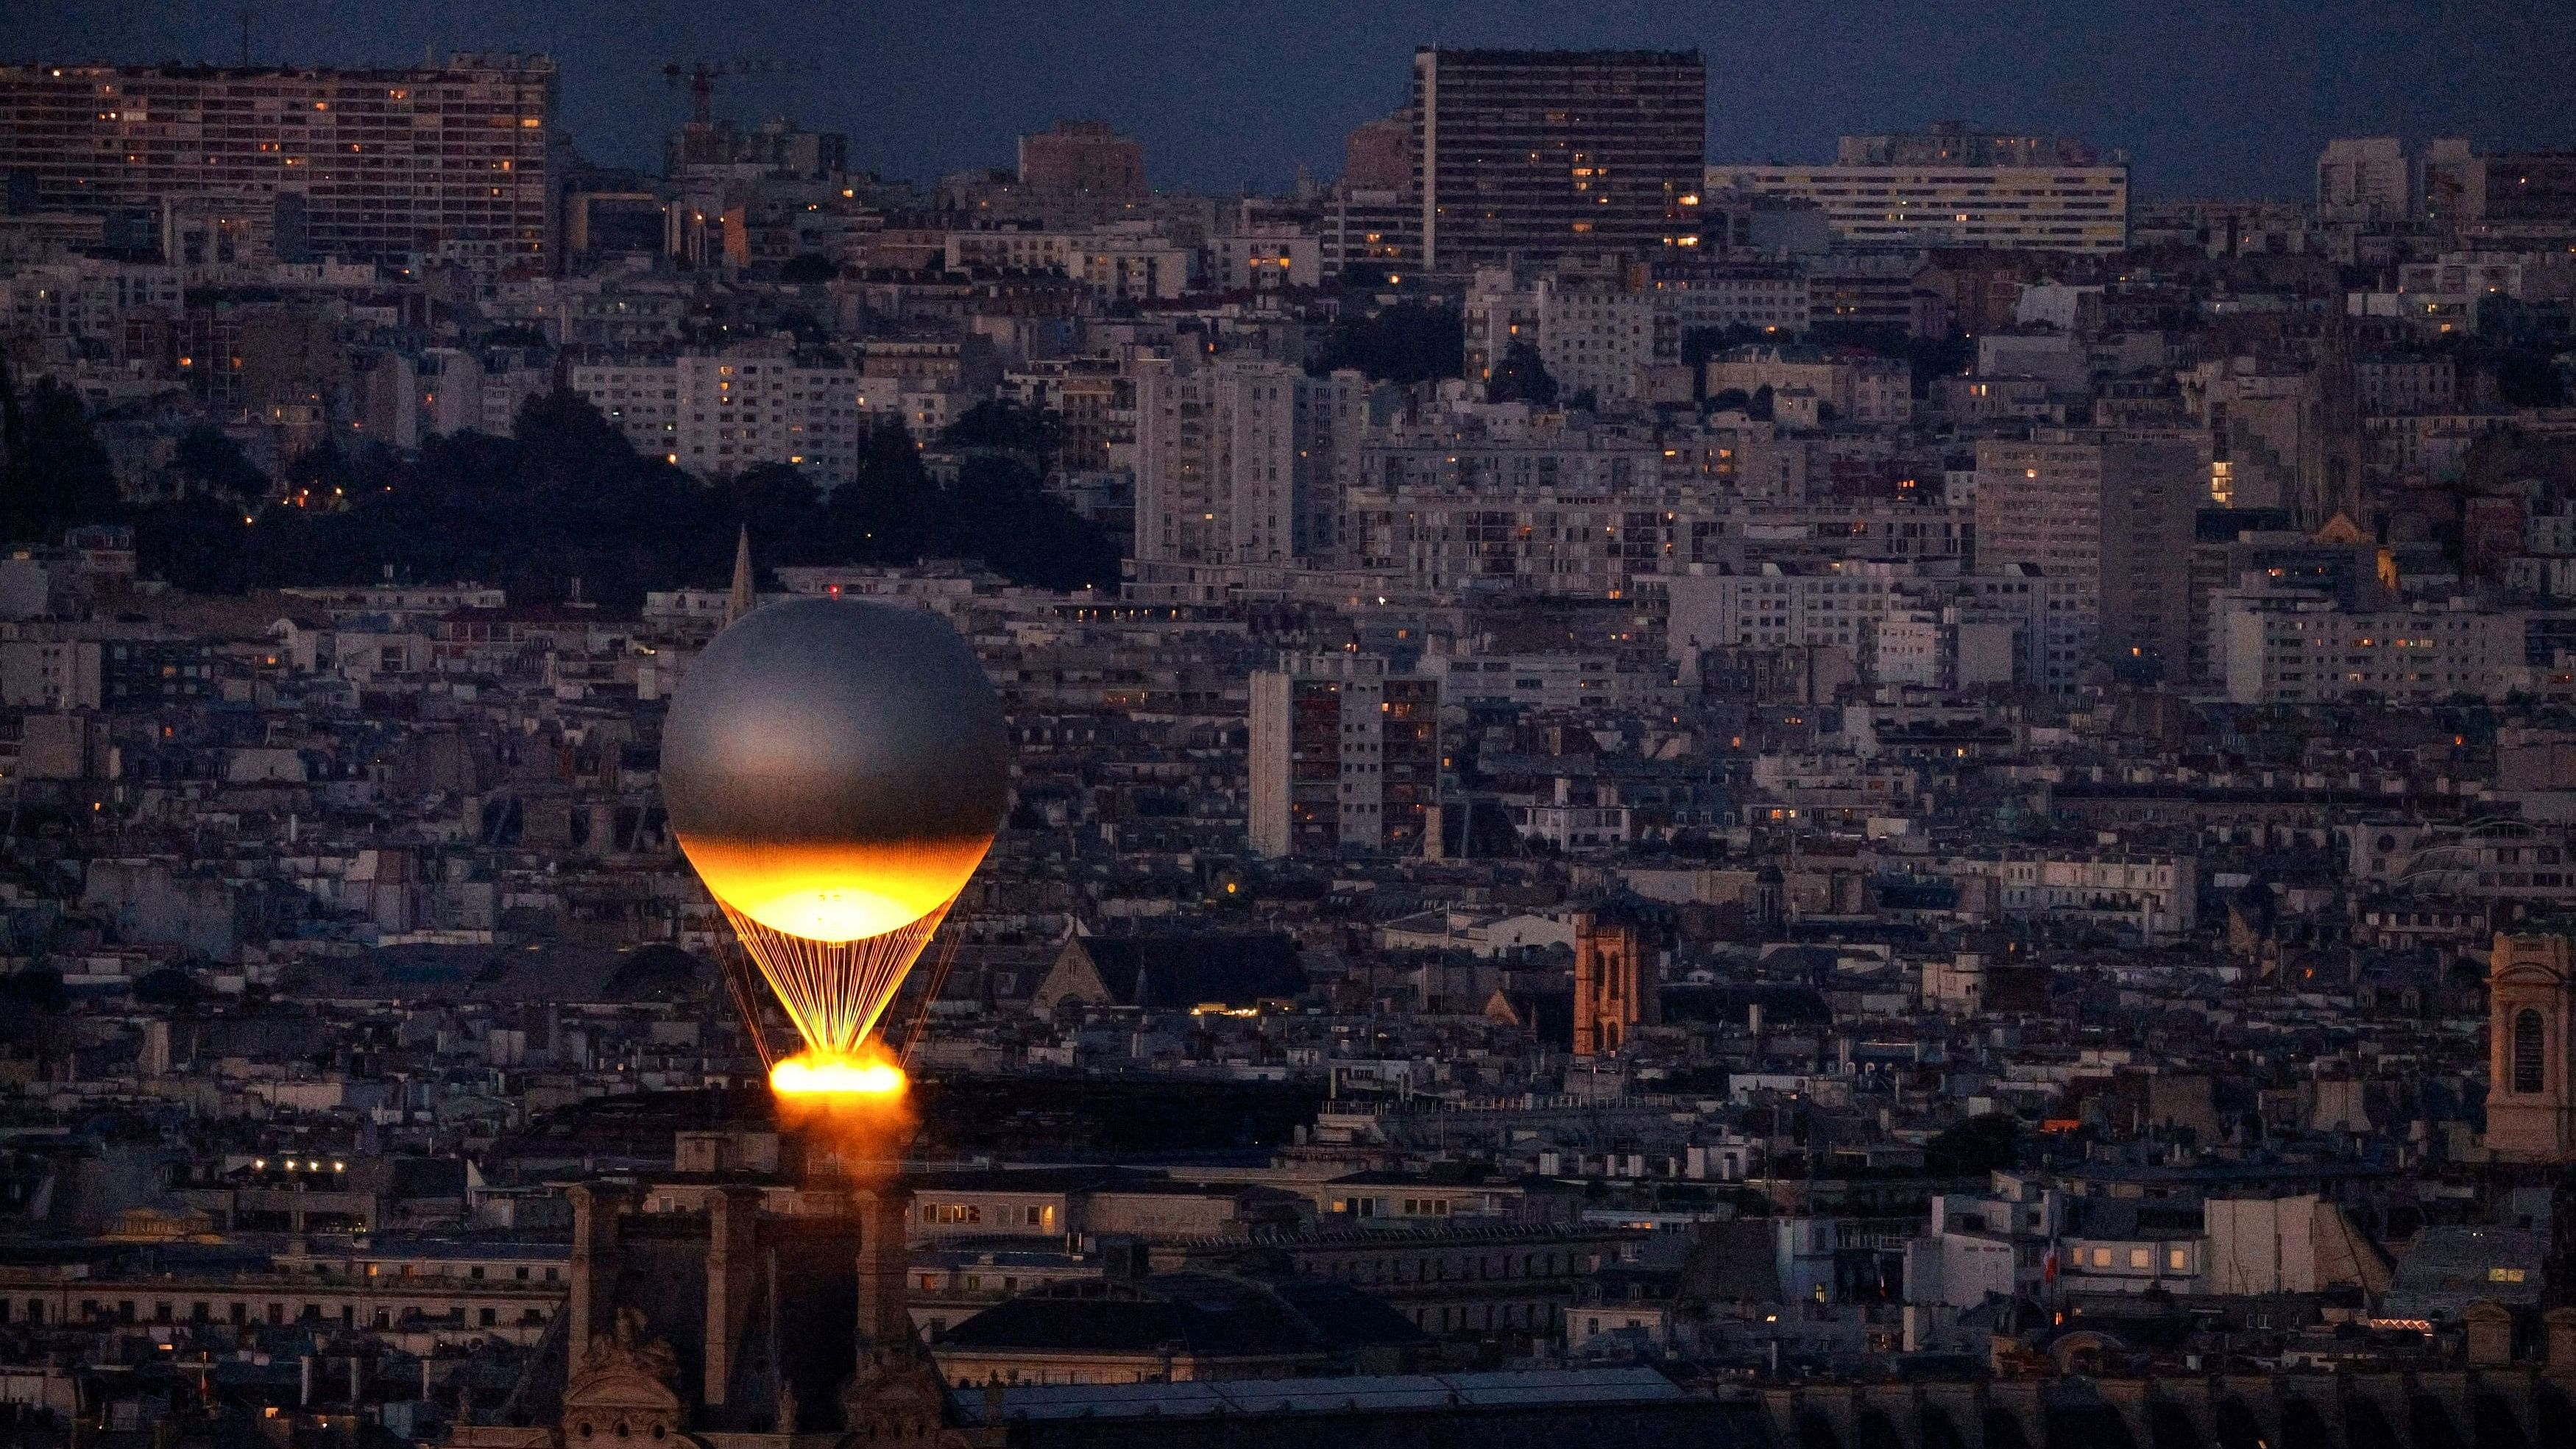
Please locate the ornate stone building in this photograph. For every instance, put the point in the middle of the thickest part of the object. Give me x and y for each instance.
(2531, 1050)
(731, 1325)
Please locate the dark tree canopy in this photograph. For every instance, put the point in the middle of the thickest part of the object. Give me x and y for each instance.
(1408, 342)
(53, 473)
(1521, 376)
(564, 503)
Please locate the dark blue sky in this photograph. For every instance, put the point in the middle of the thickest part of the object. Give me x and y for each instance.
(2211, 99)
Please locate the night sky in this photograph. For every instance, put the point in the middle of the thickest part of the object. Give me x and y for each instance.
(2210, 99)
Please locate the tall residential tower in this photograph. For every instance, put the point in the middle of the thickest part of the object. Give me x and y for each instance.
(1538, 154)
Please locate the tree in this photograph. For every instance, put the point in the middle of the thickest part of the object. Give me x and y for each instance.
(807, 267)
(1989, 1142)
(1408, 342)
(999, 512)
(53, 473)
(1521, 376)
(1028, 434)
(883, 513)
(209, 461)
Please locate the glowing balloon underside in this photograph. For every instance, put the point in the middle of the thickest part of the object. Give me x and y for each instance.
(835, 891)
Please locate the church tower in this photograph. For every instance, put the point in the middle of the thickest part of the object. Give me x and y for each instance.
(2531, 1060)
(1608, 985)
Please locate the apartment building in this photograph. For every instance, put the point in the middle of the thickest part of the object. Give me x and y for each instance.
(1240, 459)
(2278, 647)
(723, 412)
(1591, 337)
(2067, 208)
(1533, 154)
(2110, 516)
(448, 162)
(1345, 757)
(1775, 606)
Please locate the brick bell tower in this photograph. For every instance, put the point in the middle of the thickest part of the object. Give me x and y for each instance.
(1609, 984)
(2531, 1051)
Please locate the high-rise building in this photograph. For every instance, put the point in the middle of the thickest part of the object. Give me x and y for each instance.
(1535, 154)
(441, 163)
(2522, 191)
(2111, 516)
(1241, 459)
(1345, 757)
(1378, 154)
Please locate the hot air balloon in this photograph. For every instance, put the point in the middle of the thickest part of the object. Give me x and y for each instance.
(835, 770)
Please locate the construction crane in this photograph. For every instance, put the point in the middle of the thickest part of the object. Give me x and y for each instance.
(700, 77)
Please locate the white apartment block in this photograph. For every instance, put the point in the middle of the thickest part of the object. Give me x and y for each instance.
(1589, 336)
(1770, 298)
(1344, 757)
(1241, 460)
(2286, 649)
(1549, 681)
(2040, 507)
(1546, 542)
(86, 299)
(2030, 208)
(2365, 179)
(2107, 516)
(720, 413)
(1122, 262)
(1773, 608)
(1870, 390)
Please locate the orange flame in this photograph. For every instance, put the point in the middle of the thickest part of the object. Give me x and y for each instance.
(809, 1074)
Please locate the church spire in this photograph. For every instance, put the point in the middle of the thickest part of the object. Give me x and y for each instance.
(741, 601)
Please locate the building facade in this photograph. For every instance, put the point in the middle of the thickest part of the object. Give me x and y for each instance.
(2074, 208)
(1345, 758)
(2531, 1074)
(1537, 154)
(1240, 459)
(439, 163)
(2110, 515)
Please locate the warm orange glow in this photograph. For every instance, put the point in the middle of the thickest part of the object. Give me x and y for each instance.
(811, 1075)
(835, 892)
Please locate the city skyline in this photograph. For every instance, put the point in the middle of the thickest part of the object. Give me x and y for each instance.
(2231, 105)
(1581, 786)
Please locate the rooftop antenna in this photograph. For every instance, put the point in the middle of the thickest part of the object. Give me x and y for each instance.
(245, 36)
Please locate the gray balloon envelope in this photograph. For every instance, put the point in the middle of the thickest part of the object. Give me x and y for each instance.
(817, 731)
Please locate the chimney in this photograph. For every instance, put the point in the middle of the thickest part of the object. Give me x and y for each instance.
(885, 1259)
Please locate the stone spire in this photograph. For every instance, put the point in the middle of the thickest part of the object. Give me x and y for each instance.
(741, 602)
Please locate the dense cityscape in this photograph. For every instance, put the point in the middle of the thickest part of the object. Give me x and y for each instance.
(1905, 801)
